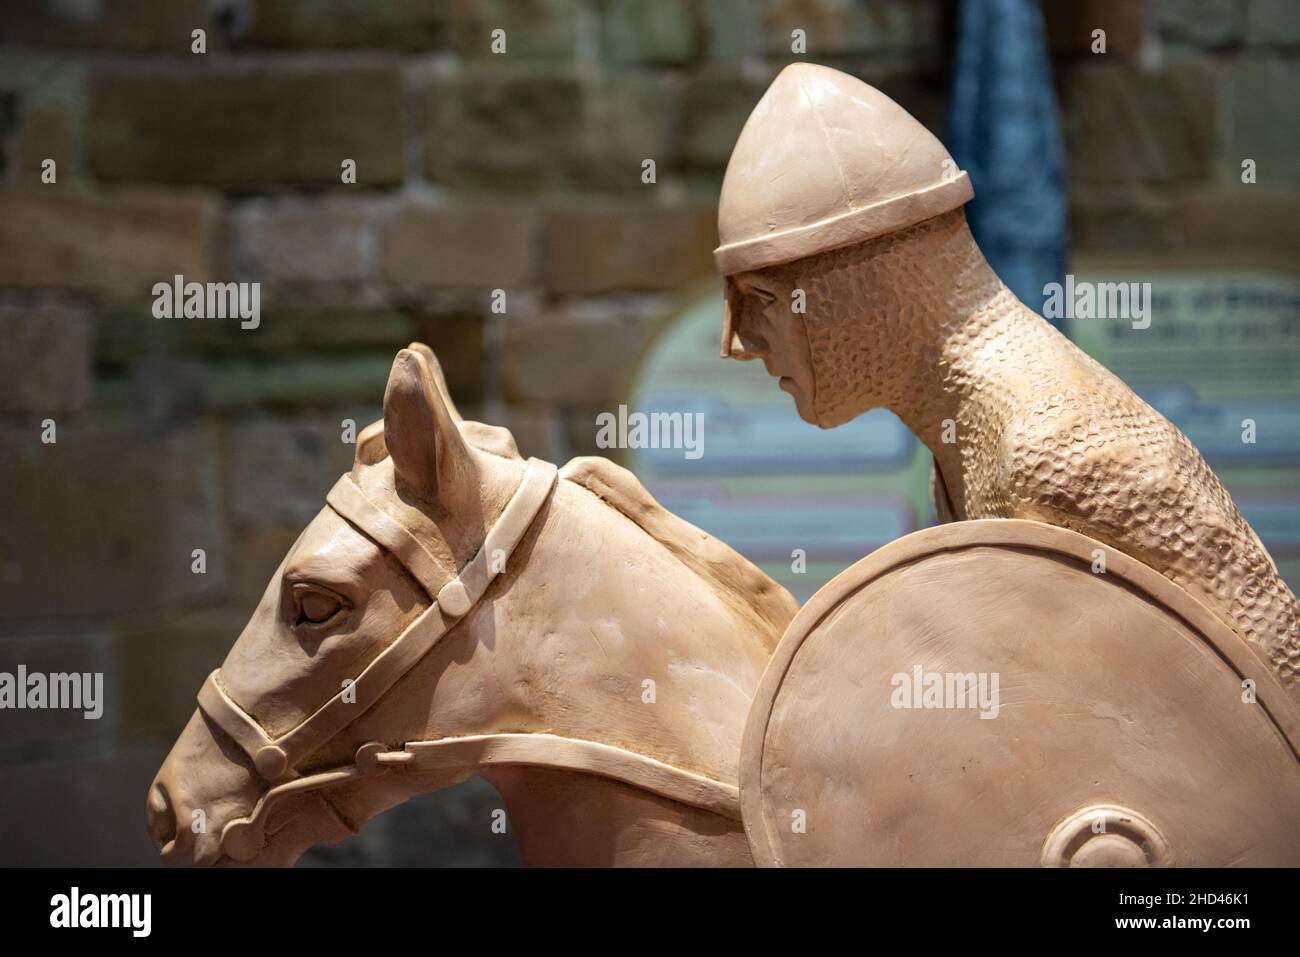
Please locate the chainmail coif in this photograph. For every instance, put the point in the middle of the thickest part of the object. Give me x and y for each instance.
(916, 322)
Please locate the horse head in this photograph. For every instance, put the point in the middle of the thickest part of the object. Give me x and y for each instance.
(455, 610)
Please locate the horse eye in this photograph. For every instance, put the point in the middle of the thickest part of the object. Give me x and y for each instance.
(315, 607)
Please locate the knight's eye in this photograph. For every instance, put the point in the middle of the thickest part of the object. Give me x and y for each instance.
(315, 605)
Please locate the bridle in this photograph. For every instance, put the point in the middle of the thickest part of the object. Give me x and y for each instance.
(276, 759)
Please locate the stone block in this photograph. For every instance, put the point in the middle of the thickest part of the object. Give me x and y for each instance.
(300, 382)
(105, 519)
(558, 359)
(1272, 23)
(123, 336)
(114, 246)
(247, 126)
(718, 100)
(519, 128)
(835, 28)
(534, 29)
(1123, 125)
(118, 25)
(1244, 217)
(45, 365)
(1105, 219)
(1070, 26)
(74, 646)
(79, 809)
(161, 659)
(633, 116)
(652, 33)
(730, 29)
(537, 431)
(294, 246)
(341, 24)
(592, 249)
(1264, 124)
(1203, 23)
(458, 340)
(490, 247)
(278, 469)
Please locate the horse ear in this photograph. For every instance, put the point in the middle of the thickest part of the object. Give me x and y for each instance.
(427, 450)
(370, 444)
(439, 380)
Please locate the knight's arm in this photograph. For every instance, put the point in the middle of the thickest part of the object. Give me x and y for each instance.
(939, 496)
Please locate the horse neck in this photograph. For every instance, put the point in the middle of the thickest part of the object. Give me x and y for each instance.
(615, 640)
(596, 632)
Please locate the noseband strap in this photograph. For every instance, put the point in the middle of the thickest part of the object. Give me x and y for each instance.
(277, 759)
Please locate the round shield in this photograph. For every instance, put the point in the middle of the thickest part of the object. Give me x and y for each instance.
(1008, 693)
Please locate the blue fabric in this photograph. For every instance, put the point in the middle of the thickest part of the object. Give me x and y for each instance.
(1004, 130)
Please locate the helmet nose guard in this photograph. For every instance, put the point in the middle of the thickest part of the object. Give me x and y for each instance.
(825, 161)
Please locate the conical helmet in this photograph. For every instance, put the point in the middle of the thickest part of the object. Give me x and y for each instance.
(826, 161)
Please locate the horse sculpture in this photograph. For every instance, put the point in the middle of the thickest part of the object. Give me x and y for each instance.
(455, 610)
(636, 690)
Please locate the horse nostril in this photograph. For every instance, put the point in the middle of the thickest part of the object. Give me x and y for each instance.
(162, 820)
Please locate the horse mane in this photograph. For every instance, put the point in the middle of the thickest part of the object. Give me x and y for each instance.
(738, 581)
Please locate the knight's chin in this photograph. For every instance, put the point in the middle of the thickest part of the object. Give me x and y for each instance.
(827, 418)
(801, 403)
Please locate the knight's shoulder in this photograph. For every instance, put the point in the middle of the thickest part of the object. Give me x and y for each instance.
(1069, 450)
(1078, 421)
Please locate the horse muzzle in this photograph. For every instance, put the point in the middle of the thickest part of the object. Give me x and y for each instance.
(207, 786)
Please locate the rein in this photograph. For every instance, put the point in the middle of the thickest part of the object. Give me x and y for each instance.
(276, 759)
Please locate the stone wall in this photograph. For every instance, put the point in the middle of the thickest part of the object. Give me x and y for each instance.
(476, 171)
(1157, 129)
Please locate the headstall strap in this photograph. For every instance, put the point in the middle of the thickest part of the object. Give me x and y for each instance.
(277, 758)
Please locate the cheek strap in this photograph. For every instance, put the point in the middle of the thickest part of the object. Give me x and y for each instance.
(276, 758)
(242, 839)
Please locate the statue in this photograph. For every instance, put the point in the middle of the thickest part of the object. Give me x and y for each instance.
(1091, 663)
(454, 610)
(835, 192)
(850, 272)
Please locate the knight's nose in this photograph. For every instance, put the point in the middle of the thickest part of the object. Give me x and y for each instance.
(736, 349)
(161, 816)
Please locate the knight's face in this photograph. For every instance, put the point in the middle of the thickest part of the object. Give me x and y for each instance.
(766, 321)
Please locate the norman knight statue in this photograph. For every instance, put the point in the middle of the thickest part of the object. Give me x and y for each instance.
(836, 199)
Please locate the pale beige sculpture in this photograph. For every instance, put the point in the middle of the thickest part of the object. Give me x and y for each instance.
(834, 190)
(1114, 650)
(1137, 727)
(1119, 732)
(455, 610)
